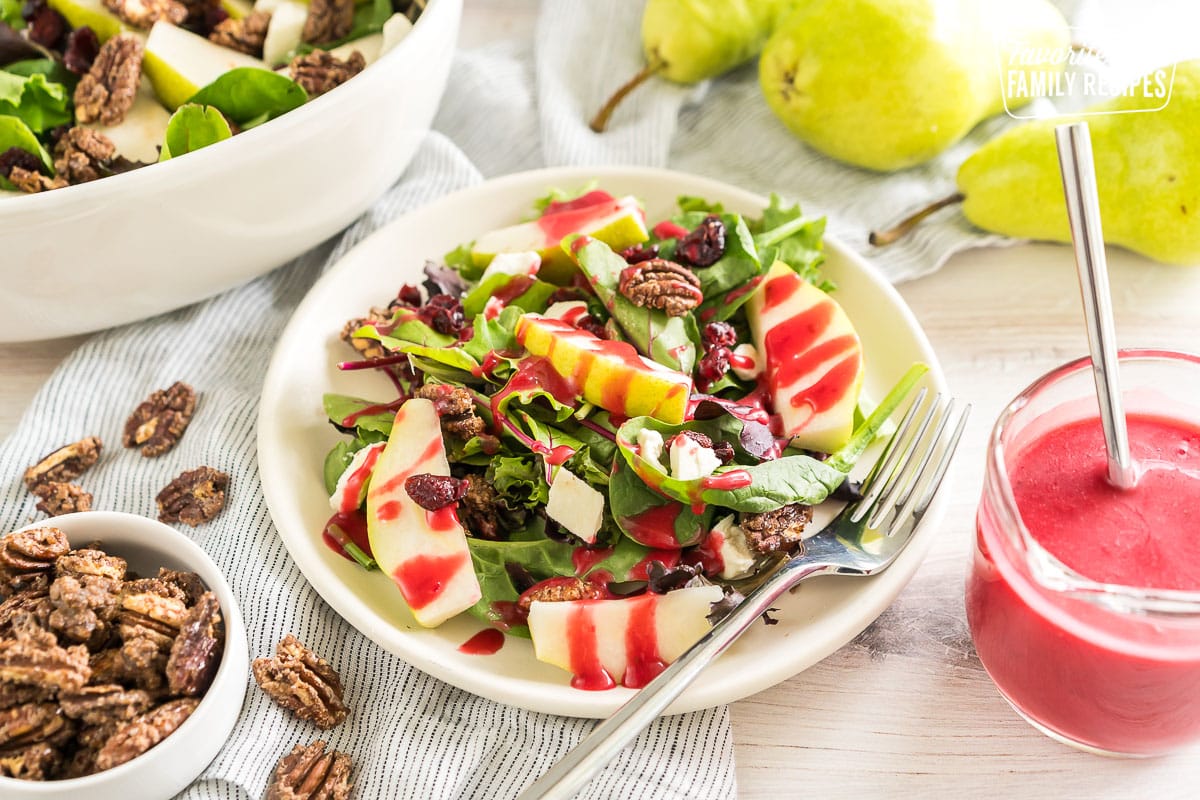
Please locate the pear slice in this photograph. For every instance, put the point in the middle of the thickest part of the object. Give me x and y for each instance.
(371, 47)
(424, 552)
(618, 223)
(284, 31)
(92, 13)
(140, 134)
(180, 63)
(237, 9)
(813, 358)
(626, 640)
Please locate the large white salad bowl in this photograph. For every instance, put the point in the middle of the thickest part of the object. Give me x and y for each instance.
(123, 248)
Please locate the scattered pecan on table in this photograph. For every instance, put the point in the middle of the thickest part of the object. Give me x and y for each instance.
(159, 421)
(778, 530)
(246, 35)
(302, 682)
(64, 464)
(661, 284)
(328, 21)
(193, 498)
(309, 773)
(106, 93)
(56, 499)
(320, 71)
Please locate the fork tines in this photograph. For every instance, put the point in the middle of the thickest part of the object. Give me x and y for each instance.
(904, 479)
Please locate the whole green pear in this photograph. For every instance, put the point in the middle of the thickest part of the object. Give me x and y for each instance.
(1147, 172)
(886, 84)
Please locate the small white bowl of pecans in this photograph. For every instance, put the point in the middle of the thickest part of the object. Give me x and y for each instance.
(123, 659)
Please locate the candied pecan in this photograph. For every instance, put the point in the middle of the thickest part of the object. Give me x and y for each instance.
(160, 420)
(66, 463)
(196, 653)
(142, 660)
(432, 492)
(155, 608)
(189, 584)
(32, 182)
(56, 499)
(320, 71)
(144, 13)
(704, 246)
(27, 558)
(661, 284)
(143, 732)
(455, 408)
(84, 605)
(82, 155)
(301, 682)
(89, 561)
(193, 498)
(16, 694)
(104, 704)
(106, 92)
(37, 762)
(246, 35)
(309, 773)
(34, 603)
(559, 590)
(328, 20)
(773, 531)
(82, 48)
(15, 157)
(107, 666)
(480, 508)
(31, 723)
(33, 656)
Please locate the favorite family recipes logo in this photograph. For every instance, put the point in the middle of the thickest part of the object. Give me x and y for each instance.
(1073, 76)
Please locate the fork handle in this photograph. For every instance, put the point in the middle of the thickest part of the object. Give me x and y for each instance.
(576, 768)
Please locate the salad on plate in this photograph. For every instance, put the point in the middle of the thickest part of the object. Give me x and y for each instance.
(92, 88)
(601, 432)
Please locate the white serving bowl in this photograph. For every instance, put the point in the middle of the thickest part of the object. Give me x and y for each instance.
(165, 769)
(127, 247)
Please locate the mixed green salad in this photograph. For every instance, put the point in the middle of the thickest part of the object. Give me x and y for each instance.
(601, 430)
(91, 88)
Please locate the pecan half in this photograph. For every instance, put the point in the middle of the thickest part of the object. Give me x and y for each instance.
(246, 35)
(309, 773)
(193, 498)
(661, 284)
(32, 723)
(82, 155)
(142, 660)
(56, 499)
(320, 71)
(37, 762)
(16, 694)
(33, 181)
(328, 20)
(559, 590)
(106, 93)
(160, 420)
(64, 464)
(189, 584)
(144, 13)
(455, 408)
(302, 682)
(781, 529)
(89, 561)
(480, 508)
(196, 653)
(27, 558)
(34, 603)
(100, 705)
(143, 732)
(33, 656)
(84, 606)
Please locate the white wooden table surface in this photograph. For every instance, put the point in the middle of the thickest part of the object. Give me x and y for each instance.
(906, 710)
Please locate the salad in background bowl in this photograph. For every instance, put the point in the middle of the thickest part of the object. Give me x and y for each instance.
(531, 353)
(309, 146)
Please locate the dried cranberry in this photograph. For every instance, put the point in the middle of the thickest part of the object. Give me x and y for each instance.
(444, 314)
(16, 157)
(592, 325)
(565, 294)
(214, 15)
(82, 47)
(45, 26)
(410, 295)
(639, 253)
(697, 437)
(704, 246)
(724, 451)
(718, 334)
(432, 492)
(712, 367)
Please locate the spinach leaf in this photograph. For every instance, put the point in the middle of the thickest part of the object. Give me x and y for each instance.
(668, 340)
(784, 234)
(336, 461)
(34, 100)
(54, 71)
(532, 297)
(340, 407)
(643, 514)
(539, 555)
(15, 133)
(249, 94)
(191, 128)
(369, 18)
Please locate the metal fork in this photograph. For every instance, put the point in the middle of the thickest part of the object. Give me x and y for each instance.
(863, 539)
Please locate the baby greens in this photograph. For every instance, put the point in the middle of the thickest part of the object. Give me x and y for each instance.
(34, 100)
(250, 96)
(192, 127)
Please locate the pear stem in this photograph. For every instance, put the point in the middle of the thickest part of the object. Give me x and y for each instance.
(600, 121)
(881, 238)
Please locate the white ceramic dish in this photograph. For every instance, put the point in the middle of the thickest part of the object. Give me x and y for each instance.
(294, 436)
(133, 245)
(167, 768)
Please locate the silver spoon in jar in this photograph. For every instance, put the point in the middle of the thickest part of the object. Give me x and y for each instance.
(1083, 210)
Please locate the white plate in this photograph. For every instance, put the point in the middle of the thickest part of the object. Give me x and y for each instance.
(294, 436)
